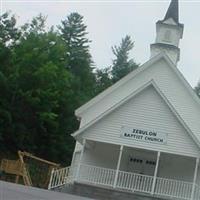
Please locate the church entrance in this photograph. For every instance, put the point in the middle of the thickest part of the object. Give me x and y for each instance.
(138, 161)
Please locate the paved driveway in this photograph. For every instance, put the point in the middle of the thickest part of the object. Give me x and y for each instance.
(10, 191)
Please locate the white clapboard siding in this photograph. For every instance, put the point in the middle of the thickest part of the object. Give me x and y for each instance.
(169, 83)
(146, 111)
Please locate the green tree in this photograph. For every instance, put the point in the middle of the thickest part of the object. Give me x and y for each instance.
(122, 65)
(38, 105)
(73, 32)
(103, 80)
(46, 95)
(36, 26)
(9, 33)
(9, 36)
(44, 76)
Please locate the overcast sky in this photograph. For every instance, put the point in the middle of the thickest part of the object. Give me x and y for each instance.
(109, 21)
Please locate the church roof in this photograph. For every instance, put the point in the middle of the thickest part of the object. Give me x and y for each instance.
(173, 11)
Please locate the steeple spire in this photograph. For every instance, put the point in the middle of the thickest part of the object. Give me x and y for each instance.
(173, 11)
(169, 31)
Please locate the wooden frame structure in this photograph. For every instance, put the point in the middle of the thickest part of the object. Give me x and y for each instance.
(19, 168)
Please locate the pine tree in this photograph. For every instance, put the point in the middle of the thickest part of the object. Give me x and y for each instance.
(73, 32)
(122, 65)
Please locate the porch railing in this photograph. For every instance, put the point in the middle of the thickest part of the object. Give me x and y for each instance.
(197, 192)
(134, 182)
(97, 175)
(173, 188)
(60, 177)
(126, 181)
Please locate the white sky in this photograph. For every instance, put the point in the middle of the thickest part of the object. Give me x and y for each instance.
(109, 21)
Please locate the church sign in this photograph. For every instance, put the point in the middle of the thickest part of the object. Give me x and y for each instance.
(143, 135)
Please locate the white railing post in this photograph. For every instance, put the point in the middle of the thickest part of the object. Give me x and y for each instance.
(80, 160)
(50, 181)
(118, 166)
(195, 178)
(155, 173)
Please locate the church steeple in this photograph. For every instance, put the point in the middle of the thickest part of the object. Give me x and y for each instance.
(168, 34)
(173, 11)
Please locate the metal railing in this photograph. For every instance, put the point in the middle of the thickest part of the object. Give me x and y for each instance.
(126, 181)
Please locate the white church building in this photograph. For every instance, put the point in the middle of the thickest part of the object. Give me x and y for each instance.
(142, 134)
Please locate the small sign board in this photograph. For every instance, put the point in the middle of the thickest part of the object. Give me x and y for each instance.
(143, 135)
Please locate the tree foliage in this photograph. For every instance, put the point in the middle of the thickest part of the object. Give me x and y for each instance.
(103, 79)
(122, 65)
(9, 34)
(38, 101)
(73, 31)
(45, 74)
